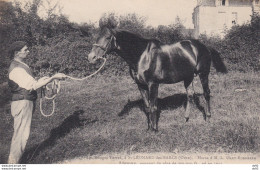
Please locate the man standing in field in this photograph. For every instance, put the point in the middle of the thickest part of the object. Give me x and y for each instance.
(23, 88)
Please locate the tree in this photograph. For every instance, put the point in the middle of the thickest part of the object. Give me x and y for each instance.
(132, 22)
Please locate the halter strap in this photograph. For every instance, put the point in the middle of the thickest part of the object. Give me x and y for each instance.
(97, 45)
(104, 48)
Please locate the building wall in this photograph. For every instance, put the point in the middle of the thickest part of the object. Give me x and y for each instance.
(215, 20)
(256, 6)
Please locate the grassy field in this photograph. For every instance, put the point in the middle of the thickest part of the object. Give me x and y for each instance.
(103, 115)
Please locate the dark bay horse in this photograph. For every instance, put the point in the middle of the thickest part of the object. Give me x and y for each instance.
(152, 63)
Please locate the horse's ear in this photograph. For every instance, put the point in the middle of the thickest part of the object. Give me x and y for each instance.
(115, 43)
(113, 31)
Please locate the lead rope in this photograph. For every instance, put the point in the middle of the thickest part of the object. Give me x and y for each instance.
(56, 85)
(81, 79)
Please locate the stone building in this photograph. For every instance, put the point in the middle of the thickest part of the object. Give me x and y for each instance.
(215, 17)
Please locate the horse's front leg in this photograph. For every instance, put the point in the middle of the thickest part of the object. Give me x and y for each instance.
(144, 90)
(153, 105)
(144, 93)
(131, 73)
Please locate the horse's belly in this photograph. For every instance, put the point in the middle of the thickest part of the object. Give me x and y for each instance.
(169, 78)
(173, 74)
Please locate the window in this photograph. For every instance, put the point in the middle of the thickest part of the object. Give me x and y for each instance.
(234, 18)
(221, 20)
(221, 2)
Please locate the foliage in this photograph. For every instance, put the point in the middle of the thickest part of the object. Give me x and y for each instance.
(169, 34)
(61, 54)
(137, 24)
(132, 22)
(46, 37)
(240, 46)
(58, 45)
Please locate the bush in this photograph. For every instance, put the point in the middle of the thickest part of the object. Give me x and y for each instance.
(240, 47)
(62, 54)
(58, 45)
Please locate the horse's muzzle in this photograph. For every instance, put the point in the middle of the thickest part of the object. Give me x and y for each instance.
(92, 58)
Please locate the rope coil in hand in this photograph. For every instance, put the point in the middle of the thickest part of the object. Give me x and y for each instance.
(56, 89)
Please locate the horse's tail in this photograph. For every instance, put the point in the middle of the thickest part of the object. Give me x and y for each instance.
(217, 61)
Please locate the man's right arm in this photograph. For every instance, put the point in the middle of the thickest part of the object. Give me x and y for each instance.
(26, 81)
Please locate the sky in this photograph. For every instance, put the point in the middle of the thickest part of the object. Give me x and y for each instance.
(157, 12)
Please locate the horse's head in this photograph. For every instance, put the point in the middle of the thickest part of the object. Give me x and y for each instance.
(105, 43)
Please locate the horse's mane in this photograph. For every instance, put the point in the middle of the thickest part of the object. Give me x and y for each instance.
(137, 37)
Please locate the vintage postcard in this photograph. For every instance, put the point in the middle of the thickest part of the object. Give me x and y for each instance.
(129, 82)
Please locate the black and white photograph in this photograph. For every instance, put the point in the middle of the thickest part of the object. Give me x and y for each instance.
(129, 82)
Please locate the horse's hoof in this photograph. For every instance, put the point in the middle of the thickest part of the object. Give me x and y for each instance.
(154, 130)
(208, 118)
(187, 119)
(151, 130)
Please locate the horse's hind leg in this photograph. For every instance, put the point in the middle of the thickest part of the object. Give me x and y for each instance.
(187, 86)
(206, 91)
(153, 104)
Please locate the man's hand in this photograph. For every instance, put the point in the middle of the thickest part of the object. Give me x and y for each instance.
(44, 78)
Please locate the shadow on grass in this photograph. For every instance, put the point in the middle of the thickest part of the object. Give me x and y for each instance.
(71, 122)
(168, 103)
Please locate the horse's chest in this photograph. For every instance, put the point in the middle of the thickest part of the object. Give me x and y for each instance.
(143, 69)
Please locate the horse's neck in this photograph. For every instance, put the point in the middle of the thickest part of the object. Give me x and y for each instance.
(131, 49)
(130, 60)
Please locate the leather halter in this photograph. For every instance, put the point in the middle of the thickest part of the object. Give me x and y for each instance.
(104, 48)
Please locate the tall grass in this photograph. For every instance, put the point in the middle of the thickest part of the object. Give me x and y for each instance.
(104, 115)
